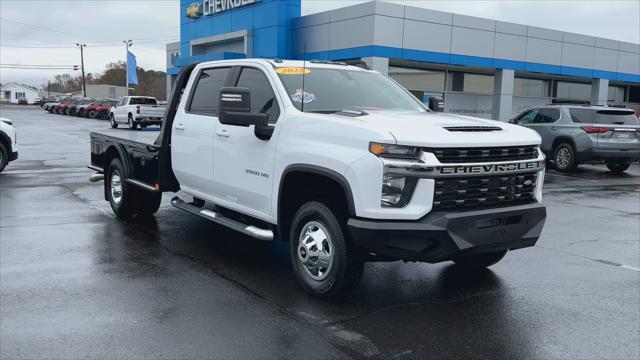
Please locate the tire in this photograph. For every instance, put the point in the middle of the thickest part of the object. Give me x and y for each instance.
(114, 124)
(564, 157)
(618, 168)
(480, 261)
(91, 114)
(4, 157)
(344, 262)
(128, 201)
(132, 125)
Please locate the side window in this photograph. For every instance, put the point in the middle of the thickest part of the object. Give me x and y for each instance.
(263, 99)
(206, 94)
(528, 117)
(584, 116)
(547, 116)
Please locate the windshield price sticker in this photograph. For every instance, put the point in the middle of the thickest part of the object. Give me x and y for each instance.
(307, 97)
(293, 71)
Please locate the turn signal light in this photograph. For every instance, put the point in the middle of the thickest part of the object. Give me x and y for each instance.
(138, 109)
(595, 130)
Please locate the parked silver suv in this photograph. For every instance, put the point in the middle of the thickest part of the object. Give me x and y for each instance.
(575, 134)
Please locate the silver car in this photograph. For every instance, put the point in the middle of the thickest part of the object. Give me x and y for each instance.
(575, 134)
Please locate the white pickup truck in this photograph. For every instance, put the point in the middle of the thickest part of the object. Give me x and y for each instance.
(136, 111)
(339, 161)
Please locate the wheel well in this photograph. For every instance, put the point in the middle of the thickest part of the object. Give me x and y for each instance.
(4, 140)
(299, 187)
(562, 139)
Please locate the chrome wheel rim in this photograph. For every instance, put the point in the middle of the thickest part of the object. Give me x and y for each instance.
(113, 121)
(130, 123)
(563, 157)
(116, 187)
(315, 250)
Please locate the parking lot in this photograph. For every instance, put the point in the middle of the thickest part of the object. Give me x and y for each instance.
(76, 282)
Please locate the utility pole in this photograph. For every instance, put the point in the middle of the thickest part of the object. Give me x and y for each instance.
(48, 88)
(127, 43)
(84, 85)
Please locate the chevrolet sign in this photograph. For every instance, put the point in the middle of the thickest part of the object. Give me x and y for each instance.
(490, 168)
(212, 7)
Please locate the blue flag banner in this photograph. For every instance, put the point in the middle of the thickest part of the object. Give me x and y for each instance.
(133, 74)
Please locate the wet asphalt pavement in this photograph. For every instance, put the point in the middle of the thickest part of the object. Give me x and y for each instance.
(77, 283)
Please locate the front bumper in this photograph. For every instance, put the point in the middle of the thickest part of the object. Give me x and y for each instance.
(13, 156)
(441, 236)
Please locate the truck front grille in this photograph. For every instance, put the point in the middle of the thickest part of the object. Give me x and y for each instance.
(465, 193)
(480, 155)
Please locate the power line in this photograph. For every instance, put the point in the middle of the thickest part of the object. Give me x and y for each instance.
(36, 26)
(88, 45)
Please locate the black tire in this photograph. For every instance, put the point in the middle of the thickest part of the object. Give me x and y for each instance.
(480, 261)
(130, 201)
(564, 157)
(114, 124)
(4, 157)
(347, 262)
(618, 168)
(132, 124)
(91, 114)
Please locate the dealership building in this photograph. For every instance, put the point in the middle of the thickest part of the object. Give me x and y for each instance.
(481, 67)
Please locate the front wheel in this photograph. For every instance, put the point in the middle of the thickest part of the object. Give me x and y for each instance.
(618, 168)
(4, 157)
(564, 157)
(325, 262)
(480, 261)
(114, 124)
(92, 114)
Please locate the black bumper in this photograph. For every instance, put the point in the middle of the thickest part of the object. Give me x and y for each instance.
(148, 120)
(441, 236)
(13, 156)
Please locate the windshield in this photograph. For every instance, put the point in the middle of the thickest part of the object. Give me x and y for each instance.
(333, 90)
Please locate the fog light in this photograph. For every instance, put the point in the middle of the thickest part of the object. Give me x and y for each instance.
(396, 190)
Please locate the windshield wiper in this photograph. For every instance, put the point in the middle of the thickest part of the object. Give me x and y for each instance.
(351, 113)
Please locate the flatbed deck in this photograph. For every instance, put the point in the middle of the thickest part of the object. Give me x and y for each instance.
(147, 137)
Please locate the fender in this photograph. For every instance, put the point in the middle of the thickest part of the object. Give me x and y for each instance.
(333, 175)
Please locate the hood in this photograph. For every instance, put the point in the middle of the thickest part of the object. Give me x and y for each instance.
(446, 130)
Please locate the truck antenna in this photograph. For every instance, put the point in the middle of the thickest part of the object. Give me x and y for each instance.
(304, 73)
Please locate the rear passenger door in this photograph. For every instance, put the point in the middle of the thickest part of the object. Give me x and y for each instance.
(545, 125)
(244, 164)
(192, 136)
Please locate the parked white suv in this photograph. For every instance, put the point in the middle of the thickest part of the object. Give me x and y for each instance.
(340, 161)
(8, 142)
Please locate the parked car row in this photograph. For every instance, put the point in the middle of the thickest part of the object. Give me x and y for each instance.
(91, 108)
(134, 111)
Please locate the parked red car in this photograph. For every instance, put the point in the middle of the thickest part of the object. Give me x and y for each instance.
(61, 108)
(98, 108)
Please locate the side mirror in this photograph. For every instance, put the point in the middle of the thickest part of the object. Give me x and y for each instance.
(235, 108)
(513, 121)
(436, 104)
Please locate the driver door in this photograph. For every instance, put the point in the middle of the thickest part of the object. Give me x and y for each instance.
(243, 164)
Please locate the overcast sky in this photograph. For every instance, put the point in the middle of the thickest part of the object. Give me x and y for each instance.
(39, 32)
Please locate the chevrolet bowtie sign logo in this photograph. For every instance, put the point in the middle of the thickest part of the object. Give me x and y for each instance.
(194, 11)
(212, 7)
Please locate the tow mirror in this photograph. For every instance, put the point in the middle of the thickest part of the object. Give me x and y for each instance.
(235, 108)
(436, 104)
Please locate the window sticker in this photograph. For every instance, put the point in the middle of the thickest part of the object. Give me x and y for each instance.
(298, 97)
(293, 71)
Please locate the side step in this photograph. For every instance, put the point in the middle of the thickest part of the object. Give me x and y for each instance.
(249, 230)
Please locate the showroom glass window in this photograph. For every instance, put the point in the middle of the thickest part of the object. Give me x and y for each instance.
(531, 87)
(616, 94)
(418, 79)
(204, 100)
(470, 83)
(573, 91)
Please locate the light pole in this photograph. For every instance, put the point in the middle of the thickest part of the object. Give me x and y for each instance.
(127, 43)
(84, 85)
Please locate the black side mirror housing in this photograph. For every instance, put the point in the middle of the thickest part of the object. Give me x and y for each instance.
(235, 108)
(436, 104)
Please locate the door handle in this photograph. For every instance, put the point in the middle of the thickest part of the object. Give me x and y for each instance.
(179, 127)
(554, 128)
(223, 133)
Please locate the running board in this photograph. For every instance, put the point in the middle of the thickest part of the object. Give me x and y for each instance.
(249, 230)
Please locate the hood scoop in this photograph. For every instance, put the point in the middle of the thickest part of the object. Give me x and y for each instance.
(472, 128)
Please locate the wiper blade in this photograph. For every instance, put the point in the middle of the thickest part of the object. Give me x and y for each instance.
(352, 113)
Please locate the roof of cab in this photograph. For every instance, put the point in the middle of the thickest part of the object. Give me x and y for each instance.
(278, 63)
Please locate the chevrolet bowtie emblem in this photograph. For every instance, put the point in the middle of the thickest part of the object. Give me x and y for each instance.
(194, 11)
(528, 183)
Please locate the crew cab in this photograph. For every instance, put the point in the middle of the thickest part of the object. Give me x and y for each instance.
(8, 142)
(339, 161)
(136, 111)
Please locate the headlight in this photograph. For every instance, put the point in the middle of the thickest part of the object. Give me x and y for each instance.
(395, 151)
(397, 190)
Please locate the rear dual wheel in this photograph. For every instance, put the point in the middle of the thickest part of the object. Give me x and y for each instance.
(128, 201)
